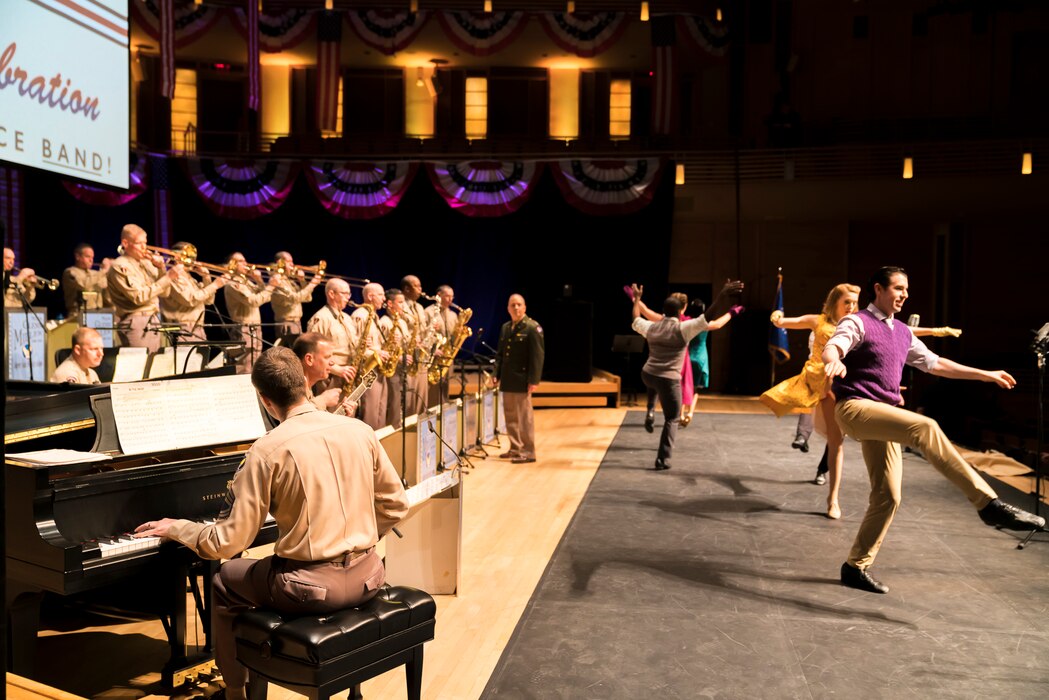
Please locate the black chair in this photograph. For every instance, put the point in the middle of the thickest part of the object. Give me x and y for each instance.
(320, 655)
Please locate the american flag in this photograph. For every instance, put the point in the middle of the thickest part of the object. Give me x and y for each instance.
(329, 41)
(167, 48)
(664, 77)
(253, 55)
(11, 209)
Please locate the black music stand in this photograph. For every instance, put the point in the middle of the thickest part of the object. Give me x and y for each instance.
(629, 345)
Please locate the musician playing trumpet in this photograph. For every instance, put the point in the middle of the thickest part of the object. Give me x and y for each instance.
(335, 324)
(185, 304)
(82, 285)
(289, 294)
(136, 281)
(245, 294)
(15, 283)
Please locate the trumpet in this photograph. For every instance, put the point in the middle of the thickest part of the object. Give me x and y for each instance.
(44, 282)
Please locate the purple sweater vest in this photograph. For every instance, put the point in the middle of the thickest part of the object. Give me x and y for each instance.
(875, 366)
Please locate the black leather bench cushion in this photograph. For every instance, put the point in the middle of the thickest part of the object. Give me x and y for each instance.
(315, 648)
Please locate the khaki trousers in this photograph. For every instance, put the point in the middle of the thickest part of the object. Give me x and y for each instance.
(132, 332)
(881, 429)
(287, 586)
(520, 423)
(418, 392)
(394, 389)
(372, 409)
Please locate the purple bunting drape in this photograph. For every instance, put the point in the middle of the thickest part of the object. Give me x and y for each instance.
(138, 182)
(608, 187)
(355, 190)
(485, 188)
(388, 31)
(242, 189)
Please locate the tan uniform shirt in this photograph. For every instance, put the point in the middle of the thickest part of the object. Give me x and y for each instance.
(415, 311)
(188, 297)
(243, 301)
(441, 321)
(11, 298)
(76, 280)
(327, 481)
(69, 371)
(135, 285)
(287, 300)
(374, 338)
(338, 326)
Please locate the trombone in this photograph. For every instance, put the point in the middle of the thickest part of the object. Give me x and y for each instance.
(320, 269)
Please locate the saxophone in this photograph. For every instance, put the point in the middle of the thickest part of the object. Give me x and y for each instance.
(413, 347)
(363, 360)
(449, 348)
(394, 349)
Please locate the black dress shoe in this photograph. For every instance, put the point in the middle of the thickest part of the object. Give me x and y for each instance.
(800, 443)
(661, 465)
(506, 455)
(650, 422)
(998, 513)
(851, 577)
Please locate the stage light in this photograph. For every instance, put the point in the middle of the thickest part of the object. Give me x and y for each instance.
(413, 6)
(328, 5)
(570, 8)
(908, 168)
(1027, 167)
(488, 5)
(644, 12)
(679, 174)
(419, 82)
(717, 14)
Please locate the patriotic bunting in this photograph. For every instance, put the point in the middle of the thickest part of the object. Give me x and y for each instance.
(278, 32)
(584, 34)
(254, 77)
(484, 188)
(388, 31)
(240, 189)
(706, 35)
(167, 48)
(12, 210)
(608, 187)
(664, 77)
(329, 42)
(191, 21)
(106, 197)
(482, 33)
(360, 190)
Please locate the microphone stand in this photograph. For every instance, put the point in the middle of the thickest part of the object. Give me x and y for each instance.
(27, 311)
(461, 462)
(1041, 348)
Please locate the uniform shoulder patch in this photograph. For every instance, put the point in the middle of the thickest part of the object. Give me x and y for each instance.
(538, 328)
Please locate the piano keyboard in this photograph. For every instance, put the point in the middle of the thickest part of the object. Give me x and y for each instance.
(118, 545)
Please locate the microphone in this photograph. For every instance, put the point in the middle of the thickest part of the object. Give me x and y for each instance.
(913, 320)
(1041, 339)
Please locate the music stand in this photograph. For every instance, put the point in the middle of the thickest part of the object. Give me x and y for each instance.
(628, 345)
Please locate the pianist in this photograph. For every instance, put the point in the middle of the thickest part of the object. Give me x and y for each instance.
(333, 493)
(79, 367)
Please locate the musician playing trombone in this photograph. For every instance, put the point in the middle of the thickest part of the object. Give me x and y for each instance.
(245, 294)
(83, 286)
(185, 304)
(136, 281)
(289, 294)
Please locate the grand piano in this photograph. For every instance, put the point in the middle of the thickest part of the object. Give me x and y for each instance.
(67, 525)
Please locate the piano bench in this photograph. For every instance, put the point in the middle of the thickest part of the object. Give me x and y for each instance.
(320, 655)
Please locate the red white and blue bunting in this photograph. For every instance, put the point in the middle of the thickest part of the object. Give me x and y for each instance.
(485, 188)
(242, 189)
(482, 33)
(138, 182)
(708, 36)
(608, 187)
(584, 34)
(355, 190)
(278, 32)
(388, 31)
(191, 20)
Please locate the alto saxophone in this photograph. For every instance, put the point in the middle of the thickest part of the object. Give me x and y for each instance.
(393, 349)
(413, 347)
(364, 361)
(447, 351)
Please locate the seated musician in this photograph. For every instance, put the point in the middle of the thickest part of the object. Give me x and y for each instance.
(316, 353)
(79, 367)
(312, 468)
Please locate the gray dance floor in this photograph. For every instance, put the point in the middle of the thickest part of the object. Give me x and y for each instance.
(719, 579)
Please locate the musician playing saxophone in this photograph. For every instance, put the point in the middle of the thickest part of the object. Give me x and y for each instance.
(373, 404)
(395, 329)
(417, 386)
(336, 325)
(316, 353)
(442, 320)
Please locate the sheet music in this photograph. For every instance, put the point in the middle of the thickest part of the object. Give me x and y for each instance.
(450, 433)
(429, 488)
(427, 447)
(174, 361)
(169, 415)
(57, 456)
(163, 364)
(130, 365)
(101, 321)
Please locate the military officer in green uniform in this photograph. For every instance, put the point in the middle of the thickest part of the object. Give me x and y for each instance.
(518, 367)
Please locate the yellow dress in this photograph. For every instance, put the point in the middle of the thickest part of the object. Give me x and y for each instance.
(806, 389)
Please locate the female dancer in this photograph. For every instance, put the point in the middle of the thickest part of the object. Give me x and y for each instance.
(810, 388)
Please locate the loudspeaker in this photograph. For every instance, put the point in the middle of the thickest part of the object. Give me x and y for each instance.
(568, 335)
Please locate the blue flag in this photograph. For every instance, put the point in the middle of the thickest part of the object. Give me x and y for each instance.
(778, 347)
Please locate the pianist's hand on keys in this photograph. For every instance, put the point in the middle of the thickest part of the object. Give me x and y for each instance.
(155, 528)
